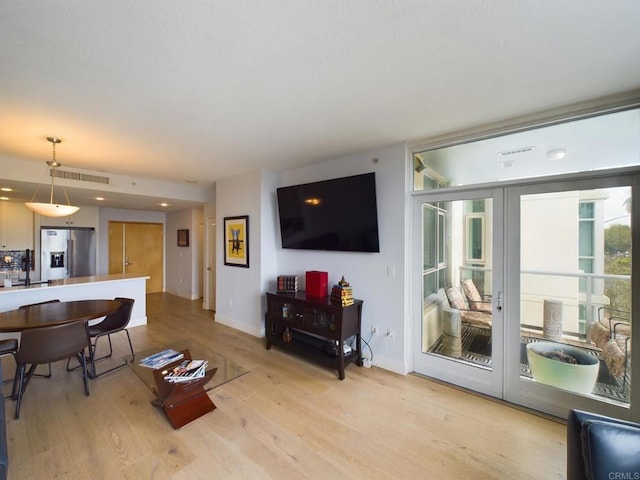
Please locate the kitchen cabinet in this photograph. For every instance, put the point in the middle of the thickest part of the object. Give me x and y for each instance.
(16, 226)
(85, 217)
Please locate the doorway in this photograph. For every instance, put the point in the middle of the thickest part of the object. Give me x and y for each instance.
(522, 280)
(519, 284)
(138, 248)
(569, 296)
(460, 246)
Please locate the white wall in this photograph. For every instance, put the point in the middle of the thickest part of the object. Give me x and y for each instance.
(269, 236)
(384, 296)
(239, 290)
(183, 265)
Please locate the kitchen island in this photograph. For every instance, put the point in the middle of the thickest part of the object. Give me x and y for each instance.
(82, 288)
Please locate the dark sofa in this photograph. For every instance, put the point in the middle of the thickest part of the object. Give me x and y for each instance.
(600, 447)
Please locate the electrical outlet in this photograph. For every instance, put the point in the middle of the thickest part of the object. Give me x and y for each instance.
(390, 334)
(374, 330)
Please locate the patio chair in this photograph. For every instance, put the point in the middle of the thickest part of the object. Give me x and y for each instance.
(474, 299)
(612, 334)
(479, 318)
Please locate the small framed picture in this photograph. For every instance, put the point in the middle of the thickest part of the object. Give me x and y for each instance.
(183, 238)
(236, 241)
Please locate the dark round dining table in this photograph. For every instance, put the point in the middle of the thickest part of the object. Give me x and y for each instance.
(56, 313)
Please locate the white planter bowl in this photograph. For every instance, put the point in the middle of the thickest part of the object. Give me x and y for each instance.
(580, 377)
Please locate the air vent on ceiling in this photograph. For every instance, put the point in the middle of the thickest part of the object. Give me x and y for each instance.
(516, 151)
(82, 177)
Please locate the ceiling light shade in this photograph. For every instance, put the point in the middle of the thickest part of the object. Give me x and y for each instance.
(52, 209)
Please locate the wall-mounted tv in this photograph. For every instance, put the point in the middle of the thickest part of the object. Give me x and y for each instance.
(339, 214)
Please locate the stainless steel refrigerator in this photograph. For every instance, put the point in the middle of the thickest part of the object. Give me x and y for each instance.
(67, 253)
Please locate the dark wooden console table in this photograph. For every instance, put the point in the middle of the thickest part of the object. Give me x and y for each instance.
(314, 327)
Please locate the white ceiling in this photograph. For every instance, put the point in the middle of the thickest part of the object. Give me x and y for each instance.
(203, 90)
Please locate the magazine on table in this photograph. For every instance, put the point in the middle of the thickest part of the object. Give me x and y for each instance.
(187, 370)
(160, 359)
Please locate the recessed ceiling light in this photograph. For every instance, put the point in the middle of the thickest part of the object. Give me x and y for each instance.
(6, 189)
(557, 154)
(99, 198)
(4, 198)
(164, 204)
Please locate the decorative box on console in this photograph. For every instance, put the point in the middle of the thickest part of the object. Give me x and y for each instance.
(316, 283)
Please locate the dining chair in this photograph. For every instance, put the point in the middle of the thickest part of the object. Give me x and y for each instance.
(112, 323)
(33, 305)
(46, 345)
(8, 347)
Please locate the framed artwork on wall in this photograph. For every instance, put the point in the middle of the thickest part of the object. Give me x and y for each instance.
(183, 238)
(236, 241)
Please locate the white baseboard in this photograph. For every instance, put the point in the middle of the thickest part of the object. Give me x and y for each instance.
(230, 322)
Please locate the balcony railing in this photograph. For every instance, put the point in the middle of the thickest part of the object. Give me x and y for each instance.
(588, 290)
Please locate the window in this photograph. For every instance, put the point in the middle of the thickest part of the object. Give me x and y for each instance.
(586, 241)
(434, 268)
(474, 238)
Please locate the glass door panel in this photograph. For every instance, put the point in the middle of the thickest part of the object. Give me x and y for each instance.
(575, 294)
(457, 331)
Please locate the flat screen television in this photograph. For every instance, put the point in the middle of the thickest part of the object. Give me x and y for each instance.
(339, 214)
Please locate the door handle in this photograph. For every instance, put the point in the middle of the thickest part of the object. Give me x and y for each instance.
(499, 301)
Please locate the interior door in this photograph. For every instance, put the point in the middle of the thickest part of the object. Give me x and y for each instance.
(211, 263)
(138, 248)
(458, 242)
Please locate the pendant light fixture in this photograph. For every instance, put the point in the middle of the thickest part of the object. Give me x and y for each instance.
(52, 209)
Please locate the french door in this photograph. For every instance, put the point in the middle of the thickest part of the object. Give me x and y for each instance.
(569, 300)
(459, 240)
(508, 279)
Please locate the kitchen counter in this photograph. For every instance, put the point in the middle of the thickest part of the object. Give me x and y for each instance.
(81, 288)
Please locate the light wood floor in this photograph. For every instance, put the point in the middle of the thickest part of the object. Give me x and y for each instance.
(286, 418)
